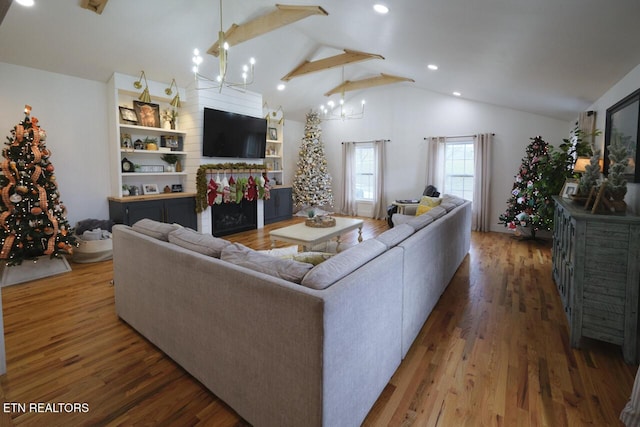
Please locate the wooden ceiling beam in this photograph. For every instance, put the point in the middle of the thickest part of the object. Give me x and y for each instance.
(96, 6)
(382, 79)
(348, 57)
(283, 15)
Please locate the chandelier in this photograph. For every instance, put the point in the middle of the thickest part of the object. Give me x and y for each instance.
(331, 111)
(222, 79)
(339, 112)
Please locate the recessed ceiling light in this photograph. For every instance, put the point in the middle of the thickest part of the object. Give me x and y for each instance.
(380, 8)
(25, 2)
(281, 86)
(457, 94)
(432, 67)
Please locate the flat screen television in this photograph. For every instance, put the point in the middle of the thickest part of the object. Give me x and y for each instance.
(226, 134)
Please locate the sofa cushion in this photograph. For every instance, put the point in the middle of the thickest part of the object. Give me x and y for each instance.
(448, 206)
(286, 269)
(204, 244)
(419, 222)
(338, 266)
(437, 212)
(396, 235)
(155, 229)
(453, 199)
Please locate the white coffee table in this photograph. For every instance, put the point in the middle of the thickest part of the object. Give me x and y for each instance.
(310, 236)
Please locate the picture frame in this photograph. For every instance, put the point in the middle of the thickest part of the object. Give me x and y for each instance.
(151, 168)
(148, 114)
(176, 188)
(150, 189)
(569, 188)
(273, 134)
(125, 140)
(128, 116)
(623, 122)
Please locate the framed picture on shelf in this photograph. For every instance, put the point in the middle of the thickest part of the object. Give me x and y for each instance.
(125, 140)
(151, 168)
(176, 188)
(150, 189)
(569, 188)
(623, 123)
(128, 116)
(172, 141)
(273, 134)
(148, 114)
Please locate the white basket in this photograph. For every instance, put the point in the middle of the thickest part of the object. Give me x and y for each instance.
(92, 250)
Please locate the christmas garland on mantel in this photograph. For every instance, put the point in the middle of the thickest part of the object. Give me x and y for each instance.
(203, 170)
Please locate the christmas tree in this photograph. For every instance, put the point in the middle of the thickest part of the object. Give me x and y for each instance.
(32, 216)
(312, 183)
(528, 206)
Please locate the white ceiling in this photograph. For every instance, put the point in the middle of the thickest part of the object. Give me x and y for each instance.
(550, 57)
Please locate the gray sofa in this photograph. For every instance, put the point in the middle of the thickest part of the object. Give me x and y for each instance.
(281, 353)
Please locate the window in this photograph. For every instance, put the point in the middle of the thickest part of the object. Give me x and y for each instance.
(365, 172)
(459, 169)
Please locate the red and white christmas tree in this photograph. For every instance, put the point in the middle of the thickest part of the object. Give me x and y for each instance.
(32, 217)
(529, 205)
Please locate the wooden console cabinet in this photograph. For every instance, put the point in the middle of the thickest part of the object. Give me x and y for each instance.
(596, 264)
(173, 208)
(280, 206)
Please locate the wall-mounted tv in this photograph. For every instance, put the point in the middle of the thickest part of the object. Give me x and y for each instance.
(226, 134)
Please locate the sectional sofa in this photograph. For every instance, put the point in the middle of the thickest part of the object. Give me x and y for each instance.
(286, 343)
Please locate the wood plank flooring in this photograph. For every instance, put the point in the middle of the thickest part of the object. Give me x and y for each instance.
(495, 352)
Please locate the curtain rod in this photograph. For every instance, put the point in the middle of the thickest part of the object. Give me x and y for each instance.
(366, 142)
(460, 136)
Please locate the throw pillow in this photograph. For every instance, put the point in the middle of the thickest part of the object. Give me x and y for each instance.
(281, 252)
(204, 244)
(286, 269)
(313, 258)
(426, 204)
(338, 266)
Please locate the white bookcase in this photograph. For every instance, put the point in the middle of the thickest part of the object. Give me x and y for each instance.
(150, 168)
(274, 158)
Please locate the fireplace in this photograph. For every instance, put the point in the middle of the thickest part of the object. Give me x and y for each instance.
(229, 218)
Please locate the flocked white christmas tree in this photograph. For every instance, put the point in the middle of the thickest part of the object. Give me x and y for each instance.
(312, 183)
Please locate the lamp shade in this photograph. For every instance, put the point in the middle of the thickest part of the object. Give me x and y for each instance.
(582, 162)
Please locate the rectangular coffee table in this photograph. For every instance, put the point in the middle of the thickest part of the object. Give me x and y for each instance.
(309, 236)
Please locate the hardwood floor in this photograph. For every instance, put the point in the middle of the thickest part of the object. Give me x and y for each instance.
(494, 352)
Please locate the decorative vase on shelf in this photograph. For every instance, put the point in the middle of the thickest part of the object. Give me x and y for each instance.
(167, 124)
(171, 168)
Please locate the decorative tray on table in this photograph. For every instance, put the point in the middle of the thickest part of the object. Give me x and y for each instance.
(320, 222)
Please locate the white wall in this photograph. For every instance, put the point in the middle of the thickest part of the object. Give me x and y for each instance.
(406, 116)
(73, 112)
(628, 84)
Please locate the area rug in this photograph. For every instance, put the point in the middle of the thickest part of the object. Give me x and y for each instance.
(33, 270)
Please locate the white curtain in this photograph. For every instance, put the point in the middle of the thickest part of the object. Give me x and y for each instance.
(348, 201)
(435, 161)
(482, 182)
(379, 207)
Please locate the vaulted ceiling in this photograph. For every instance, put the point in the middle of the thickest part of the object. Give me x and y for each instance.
(548, 57)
